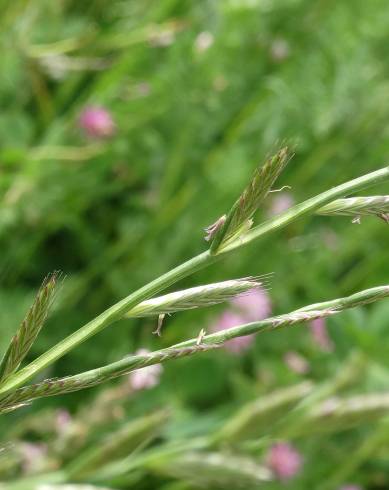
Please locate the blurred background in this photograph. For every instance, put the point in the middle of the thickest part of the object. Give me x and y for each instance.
(127, 127)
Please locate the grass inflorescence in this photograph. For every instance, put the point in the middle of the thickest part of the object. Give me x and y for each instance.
(13, 388)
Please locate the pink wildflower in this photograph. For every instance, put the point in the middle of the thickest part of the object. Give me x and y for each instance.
(350, 487)
(281, 202)
(296, 362)
(229, 319)
(320, 335)
(254, 305)
(33, 455)
(97, 122)
(284, 461)
(246, 308)
(63, 421)
(146, 377)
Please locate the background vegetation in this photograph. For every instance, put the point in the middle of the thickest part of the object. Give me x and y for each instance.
(200, 92)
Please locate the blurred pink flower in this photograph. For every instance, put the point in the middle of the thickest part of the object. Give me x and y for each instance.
(97, 122)
(246, 308)
(146, 377)
(34, 456)
(296, 362)
(230, 319)
(279, 50)
(350, 487)
(284, 460)
(203, 41)
(63, 421)
(320, 335)
(329, 238)
(281, 202)
(254, 305)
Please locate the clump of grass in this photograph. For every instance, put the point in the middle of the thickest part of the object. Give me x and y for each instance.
(231, 233)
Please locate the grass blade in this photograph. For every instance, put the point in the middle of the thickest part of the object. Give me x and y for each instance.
(187, 268)
(250, 421)
(214, 470)
(29, 328)
(94, 377)
(118, 444)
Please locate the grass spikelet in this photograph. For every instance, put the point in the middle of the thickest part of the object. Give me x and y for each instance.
(239, 218)
(214, 470)
(94, 377)
(255, 417)
(69, 384)
(29, 328)
(116, 311)
(302, 315)
(358, 206)
(336, 414)
(197, 297)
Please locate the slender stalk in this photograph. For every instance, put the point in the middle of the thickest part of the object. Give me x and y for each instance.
(358, 299)
(116, 311)
(309, 206)
(106, 318)
(308, 313)
(69, 384)
(357, 206)
(93, 377)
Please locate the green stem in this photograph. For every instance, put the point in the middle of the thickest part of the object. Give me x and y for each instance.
(309, 206)
(373, 442)
(305, 314)
(96, 376)
(116, 311)
(109, 316)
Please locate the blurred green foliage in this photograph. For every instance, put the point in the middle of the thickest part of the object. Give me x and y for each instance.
(200, 93)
